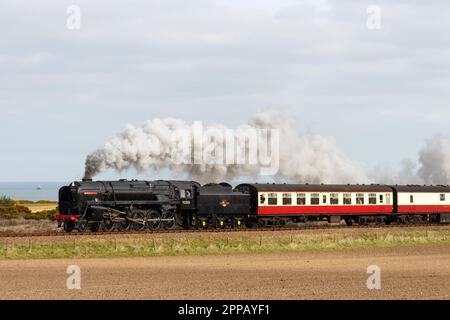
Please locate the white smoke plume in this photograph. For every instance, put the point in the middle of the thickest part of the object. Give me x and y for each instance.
(157, 145)
(160, 144)
(432, 166)
(434, 161)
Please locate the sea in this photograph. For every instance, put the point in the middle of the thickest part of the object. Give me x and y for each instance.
(33, 191)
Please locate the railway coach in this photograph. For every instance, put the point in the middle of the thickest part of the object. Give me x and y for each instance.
(415, 203)
(282, 203)
(279, 203)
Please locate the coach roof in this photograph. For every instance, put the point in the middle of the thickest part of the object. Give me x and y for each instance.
(419, 188)
(319, 187)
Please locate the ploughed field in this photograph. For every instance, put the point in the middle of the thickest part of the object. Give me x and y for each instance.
(407, 272)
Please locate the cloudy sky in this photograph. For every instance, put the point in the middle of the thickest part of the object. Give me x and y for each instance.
(63, 93)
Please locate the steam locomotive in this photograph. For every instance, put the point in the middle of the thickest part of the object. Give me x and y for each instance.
(151, 205)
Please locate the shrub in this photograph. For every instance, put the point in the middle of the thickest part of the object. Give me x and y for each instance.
(6, 201)
(13, 212)
(41, 215)
(23, 202)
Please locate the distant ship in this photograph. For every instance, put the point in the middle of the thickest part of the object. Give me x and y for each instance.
(38, 188)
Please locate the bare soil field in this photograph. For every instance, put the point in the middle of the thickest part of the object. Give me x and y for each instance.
(421, 272)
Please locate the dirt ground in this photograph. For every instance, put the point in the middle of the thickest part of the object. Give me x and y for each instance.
(406, 273)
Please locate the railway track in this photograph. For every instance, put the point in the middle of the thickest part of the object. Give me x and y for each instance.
(178, 231)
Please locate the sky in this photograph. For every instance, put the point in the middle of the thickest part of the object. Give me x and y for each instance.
(63, 92)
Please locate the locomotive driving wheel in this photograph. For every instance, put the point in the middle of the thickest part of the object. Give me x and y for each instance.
(123, 225)
(155, 220)
(169, 216)
(82, 226)
(107, 225)
(140, 220)
(94, 227)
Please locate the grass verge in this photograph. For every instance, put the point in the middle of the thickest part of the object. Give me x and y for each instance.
(216, 244)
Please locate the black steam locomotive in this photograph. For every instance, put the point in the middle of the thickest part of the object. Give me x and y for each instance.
(149, 205)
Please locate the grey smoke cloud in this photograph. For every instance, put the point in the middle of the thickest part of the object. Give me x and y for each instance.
(310, 158)
(432, 166)
(434, 161)
(156, 146)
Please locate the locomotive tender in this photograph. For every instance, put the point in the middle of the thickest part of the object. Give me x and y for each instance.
(151, 205)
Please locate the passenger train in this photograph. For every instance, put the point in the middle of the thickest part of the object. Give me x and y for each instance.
(151, 205)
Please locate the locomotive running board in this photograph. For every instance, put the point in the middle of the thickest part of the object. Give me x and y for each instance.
(130, 219)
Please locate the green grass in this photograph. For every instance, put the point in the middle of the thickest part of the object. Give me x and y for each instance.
(149, 246)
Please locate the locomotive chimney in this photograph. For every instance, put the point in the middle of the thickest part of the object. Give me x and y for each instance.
(87, 180)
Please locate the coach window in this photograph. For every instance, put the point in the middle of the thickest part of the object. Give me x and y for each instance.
(381, 198)
(315, 199)
(324, 201)
(360, 198)
(372, 198)
(287, 199)
(301, 199)
(411, 199)
(273, 199)
(334, 199)
(443, 197)
(347, 198)
(262, 198)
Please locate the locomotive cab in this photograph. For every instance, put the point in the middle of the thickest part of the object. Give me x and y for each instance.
(66, 201)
